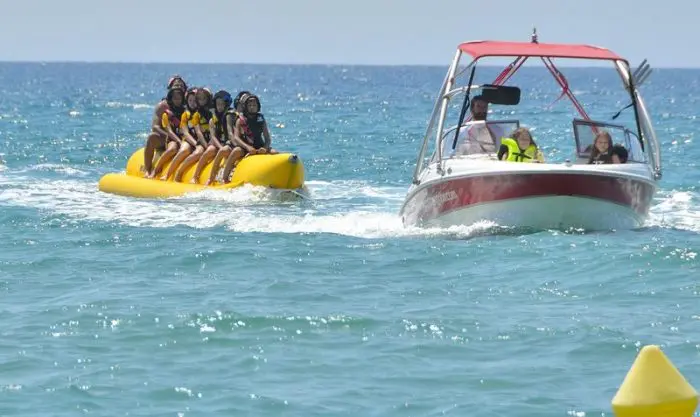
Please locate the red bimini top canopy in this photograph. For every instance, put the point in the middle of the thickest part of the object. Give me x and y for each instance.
(478, 49)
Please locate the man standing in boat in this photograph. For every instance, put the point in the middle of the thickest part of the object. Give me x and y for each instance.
(478, 138)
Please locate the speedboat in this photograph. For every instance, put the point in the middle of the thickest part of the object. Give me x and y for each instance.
(461, 183)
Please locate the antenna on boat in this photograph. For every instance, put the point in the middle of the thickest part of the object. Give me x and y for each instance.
(641, 73)
(637, 77)
(533, 37)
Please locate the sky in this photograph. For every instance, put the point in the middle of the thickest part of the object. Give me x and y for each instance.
(370, 32)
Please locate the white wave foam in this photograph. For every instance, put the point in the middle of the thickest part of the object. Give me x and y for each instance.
(135, 106)
(59, 168)
(351, 208)
(357, 223)
(679, 209)
(333, 190)
(236, 210)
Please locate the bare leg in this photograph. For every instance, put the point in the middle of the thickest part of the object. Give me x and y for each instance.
(231, 162)
(153, 142)
(223, 153)
(169, 153)
(184, 152)
(188, 162)
(205, 159)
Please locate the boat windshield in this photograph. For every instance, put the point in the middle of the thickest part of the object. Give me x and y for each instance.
(585, 133)
(477, 137)
(496, 91)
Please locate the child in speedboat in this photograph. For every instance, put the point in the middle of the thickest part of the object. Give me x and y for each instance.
(250, 134)
(520, 147)
(170, 123)
(619, 154)
(602, 151)
(199, 123)
(189, 143)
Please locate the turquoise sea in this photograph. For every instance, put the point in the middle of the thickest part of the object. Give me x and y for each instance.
(235, 304)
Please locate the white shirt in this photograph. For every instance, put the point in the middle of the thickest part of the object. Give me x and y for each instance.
(474, 138)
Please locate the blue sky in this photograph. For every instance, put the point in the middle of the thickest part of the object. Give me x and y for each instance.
(390, 32)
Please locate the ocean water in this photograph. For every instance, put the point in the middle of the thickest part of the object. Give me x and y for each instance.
(237, 304)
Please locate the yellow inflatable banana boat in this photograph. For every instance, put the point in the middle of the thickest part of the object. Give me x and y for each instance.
(283, 171)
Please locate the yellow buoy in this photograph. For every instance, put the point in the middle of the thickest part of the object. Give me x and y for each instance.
(654, 387)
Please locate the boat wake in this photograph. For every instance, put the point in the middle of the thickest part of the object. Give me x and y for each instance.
(351, 208)
(676, 210)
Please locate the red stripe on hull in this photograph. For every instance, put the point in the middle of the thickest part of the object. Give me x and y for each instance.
(440, 198)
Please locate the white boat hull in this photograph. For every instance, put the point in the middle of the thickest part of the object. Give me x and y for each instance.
(551, 212)
(539, 196)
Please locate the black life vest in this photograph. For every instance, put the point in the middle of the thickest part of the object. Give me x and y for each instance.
(253, 127)
(174, 117)
(222, 124)
(602, 158)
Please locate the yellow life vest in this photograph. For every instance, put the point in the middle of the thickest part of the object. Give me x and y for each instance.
(187, 118)
(531, 154)
(199, 119)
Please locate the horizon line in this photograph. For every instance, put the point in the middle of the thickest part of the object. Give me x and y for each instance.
(300, 64)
